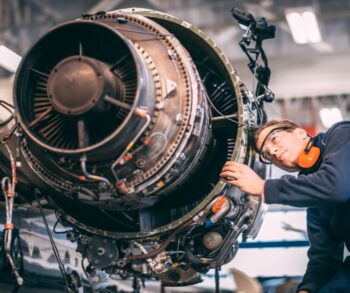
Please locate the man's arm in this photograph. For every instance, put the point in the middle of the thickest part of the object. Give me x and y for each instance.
(328, 185)
(325, 253)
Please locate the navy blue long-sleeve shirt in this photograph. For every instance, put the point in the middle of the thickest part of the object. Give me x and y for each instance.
(326, 194)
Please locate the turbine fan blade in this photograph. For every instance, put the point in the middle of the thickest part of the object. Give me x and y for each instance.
(83, 136)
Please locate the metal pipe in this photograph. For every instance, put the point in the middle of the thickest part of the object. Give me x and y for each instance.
(163, 245)
(234, 233)
(225, 208)
(8, 237)
(224, 117)
(8, 191)
(91, 176)
(151, 263)
(130, 144)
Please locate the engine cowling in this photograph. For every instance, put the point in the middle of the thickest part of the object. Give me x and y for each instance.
(127, 120)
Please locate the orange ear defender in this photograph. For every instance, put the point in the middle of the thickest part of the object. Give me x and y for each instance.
(310, 156)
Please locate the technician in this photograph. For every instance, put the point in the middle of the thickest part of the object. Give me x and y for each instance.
(323, 186)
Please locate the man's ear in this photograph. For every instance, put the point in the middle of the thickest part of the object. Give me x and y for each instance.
(301, 133)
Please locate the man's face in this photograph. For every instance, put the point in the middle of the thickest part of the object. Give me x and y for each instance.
(282, 147)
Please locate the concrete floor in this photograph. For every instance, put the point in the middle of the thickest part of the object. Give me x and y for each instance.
(7, 288)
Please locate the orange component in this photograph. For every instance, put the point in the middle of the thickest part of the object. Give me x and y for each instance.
(9, 193)
(140, 112)
(308, 160)
(8, 226)
(218, 204)
(127, 157)
(146, 141)
(160, 184)
(82, 178)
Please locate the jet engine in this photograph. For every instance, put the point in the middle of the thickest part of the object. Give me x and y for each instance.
(123, 121)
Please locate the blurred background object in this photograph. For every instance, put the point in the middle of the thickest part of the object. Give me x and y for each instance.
(244, 283)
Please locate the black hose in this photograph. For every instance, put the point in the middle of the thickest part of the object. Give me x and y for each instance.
(191, 257)
(229, 239)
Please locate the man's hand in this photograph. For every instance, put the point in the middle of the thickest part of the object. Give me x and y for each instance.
(303, 291)
(243, 177)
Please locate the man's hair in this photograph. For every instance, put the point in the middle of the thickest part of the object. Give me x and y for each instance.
(290, 126)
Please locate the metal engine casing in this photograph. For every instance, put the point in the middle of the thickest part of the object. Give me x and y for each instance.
(123, 129)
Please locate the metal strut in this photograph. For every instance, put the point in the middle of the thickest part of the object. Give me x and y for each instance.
(72, 280)
(217, 280)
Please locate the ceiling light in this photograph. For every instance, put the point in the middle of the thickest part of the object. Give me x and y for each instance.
(303, 25)
(311, 26)
(329, 116)
(9, 59)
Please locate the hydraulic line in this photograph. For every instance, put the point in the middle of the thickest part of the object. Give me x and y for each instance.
(143, 114)
(230, 237)
(91, 176)
(9, 189)
(164, 244)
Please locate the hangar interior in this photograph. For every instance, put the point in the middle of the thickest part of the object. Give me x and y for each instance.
(309, 77)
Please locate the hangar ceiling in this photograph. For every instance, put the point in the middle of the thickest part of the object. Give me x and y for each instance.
(22, 22)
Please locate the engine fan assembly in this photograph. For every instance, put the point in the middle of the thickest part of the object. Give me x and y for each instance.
(125, 120)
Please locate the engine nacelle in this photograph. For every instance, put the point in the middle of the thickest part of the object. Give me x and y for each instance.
(127, 118)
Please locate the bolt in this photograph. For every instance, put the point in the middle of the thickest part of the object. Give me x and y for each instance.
(140, 163)
(178, 119)
(100, 251)
(159, 106)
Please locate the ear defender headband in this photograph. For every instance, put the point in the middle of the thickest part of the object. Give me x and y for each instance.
(307, 159)
(310, 156)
